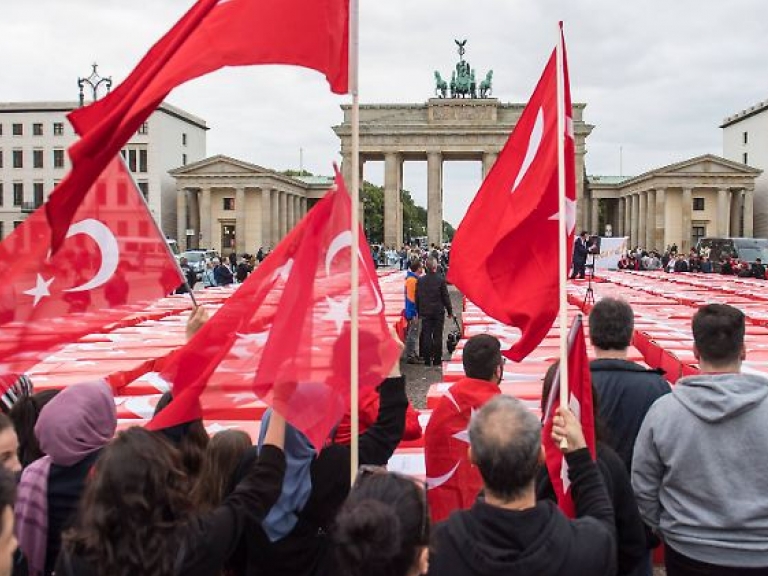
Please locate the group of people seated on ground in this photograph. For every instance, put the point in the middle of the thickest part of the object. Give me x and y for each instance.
(686, 468)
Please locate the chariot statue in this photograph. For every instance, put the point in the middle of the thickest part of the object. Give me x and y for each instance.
(462, 83)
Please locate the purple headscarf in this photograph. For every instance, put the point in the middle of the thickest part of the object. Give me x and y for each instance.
(77, 422)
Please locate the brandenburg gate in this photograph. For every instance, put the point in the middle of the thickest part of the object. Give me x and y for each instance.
(457, 126)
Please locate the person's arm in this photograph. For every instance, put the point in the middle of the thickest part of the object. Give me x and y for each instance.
(647, 474)
(446, 298)
(212, 538)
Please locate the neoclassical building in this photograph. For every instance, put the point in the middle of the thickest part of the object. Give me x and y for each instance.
(232, 205)
(675, 204)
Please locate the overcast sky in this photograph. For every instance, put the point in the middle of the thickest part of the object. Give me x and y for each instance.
(658, 76)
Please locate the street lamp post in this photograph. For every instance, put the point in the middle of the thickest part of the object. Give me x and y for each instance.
(94, 81)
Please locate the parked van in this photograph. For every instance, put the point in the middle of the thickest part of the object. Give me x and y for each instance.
(745, 249)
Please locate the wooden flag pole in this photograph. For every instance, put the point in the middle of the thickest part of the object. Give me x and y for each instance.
(354, 373)
(562, 221)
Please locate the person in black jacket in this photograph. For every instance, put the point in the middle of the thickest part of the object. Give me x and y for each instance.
(136, 515)
(432, 301)
(580, 252)
(305, 550)
(626, 389)
(507, 532)
(630, 530)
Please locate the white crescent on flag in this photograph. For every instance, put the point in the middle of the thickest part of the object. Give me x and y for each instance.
(110, 251)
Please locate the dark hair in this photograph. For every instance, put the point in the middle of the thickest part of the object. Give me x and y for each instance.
(481, 356)
(7, 492)
(221, 458)
(190, 438)
(24, 415)
(611, 324)
(132, 508)
(506, 443)
(381, 527)
(416, 265)
(718, 333)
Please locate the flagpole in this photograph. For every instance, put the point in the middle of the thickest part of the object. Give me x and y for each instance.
(354, 373)
(562, 221)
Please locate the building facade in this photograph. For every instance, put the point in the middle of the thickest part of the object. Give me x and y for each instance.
(745, 140)
(34, 137)
(234, 206)
(675, 204)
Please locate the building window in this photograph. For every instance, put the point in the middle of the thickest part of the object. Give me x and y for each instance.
(144, 129)
(745, 158)
(37, 158)
(18, 130)
(144, 187)
(745, 137)
(132, 160)
(229, 203)
(698, 204)
(16, 224)
(2, 232)
(142, 160)
(183, 159)
(697, 233)
(1, 129)
(122, 194)
(58, 128)
(227, 236)
(184, 139)
(18, 193)
(122, 228)
(37, 129)
(58, 158)
(1, 198)
(143, 229)
(1, 158)
(18, 159)
(38, 190)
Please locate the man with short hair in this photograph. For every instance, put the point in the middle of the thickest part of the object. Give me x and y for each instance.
(432, 302)
(625, 390)
(507, 531)
(415, 271)
(580, 252)
(758, 269)
(701, 459)
(8, 543)
(453, 482)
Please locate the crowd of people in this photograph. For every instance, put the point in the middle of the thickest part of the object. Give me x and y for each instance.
(673, 261)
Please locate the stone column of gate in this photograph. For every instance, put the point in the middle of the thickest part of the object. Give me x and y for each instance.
(749, 212)
(291, 210)
(193, 217)
(635, 222)
(620, 218)
(435, 198)
(283, 213)
(642, 220)
(489, 159)
(181, 218)
(391, 197)
(206, 238)
(737, 201)
(627, 218)
(661, 223)
(240, 220)
(650, 220)
(686, 232)
(723, 212)
(265, 228)
(275, 217)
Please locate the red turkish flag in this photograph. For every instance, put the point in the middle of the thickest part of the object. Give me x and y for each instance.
(285, 336)
(452, 482)
(504, 256)
(213, 34)
(580, 403)
(113, 262)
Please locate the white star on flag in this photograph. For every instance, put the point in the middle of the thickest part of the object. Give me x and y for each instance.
(338, 312)
(243, 348)
(570, 215)
(463, 436)
(40, 290)
(241, 397)
(284, 271)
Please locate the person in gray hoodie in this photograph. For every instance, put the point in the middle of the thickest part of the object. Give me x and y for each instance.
(700, 463)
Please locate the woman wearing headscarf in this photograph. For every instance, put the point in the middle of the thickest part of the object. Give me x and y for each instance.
(71, 430)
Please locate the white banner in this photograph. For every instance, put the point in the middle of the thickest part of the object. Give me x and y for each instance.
(611, 251)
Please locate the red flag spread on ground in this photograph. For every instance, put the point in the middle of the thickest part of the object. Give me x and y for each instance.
(504, 256)
(285, 333)
(213, 34)
(113, 262)
(580, 403)
(452, 482)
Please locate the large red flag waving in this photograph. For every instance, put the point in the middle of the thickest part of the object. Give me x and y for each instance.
(113, 262)
(580, 403)
(285, 333)
(212, 35)
(504, 256)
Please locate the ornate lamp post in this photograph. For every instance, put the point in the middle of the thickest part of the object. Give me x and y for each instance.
(94, 81)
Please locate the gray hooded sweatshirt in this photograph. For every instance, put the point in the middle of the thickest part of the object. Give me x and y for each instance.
(700, 469)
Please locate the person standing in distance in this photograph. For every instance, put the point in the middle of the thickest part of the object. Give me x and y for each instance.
(580, 251)
(432, 301)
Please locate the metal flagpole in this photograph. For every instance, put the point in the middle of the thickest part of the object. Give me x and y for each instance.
(354, 373)
(562, 221)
